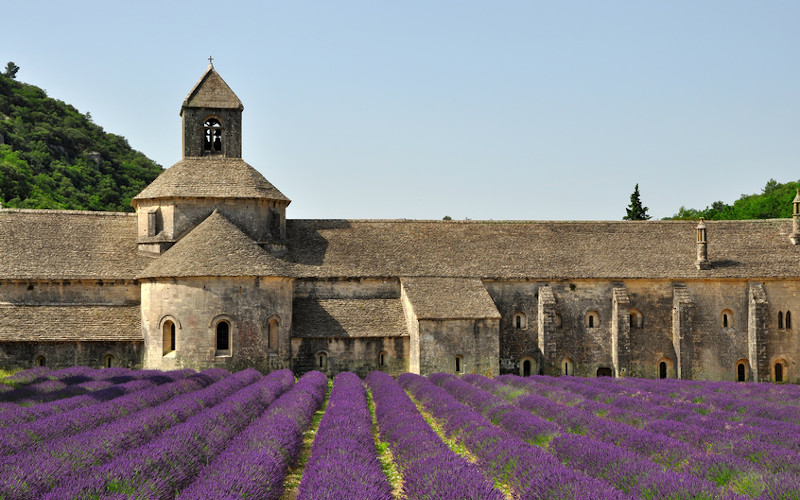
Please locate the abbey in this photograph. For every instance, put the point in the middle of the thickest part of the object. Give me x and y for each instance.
(209, 272)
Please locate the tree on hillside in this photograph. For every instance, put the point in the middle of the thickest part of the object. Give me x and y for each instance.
(11, 70)
(635, 210)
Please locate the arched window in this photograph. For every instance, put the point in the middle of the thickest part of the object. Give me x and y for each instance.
(459, 364)
(567, 367)
(592, 319)
(382, 359)
(780, 320)
(39, 361)
(741, 370)
(604, 371)
(108, 362)
(528, 367)
(662, 369)
(635, 318)
(168, 337)
(212, 139)
(778, 372)
(726, 319)
(272, 334)
(223, 338)
(788, 320)
(520, 321)
(322, 361)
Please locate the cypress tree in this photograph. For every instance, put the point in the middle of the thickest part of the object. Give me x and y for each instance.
(635, 210)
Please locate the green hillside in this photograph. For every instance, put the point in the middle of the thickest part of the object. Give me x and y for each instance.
(775, 201)
(52, 156)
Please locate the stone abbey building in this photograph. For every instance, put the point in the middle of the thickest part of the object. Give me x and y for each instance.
(209, 272)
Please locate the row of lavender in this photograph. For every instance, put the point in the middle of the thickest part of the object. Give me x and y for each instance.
(41, 384)
(200, 435)
(684, 436)
(231, 436)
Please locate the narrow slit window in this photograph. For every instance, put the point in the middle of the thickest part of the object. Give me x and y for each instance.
(272, 337)
(223, 336)
(780, 320)
(788, 320)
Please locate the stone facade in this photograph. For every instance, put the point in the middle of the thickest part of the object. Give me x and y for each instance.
(209, 272)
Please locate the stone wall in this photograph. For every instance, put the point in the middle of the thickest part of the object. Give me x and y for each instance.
(194, 132)
(359, 355)
(179, 216)
(344, 288)
(474, 341)
(94, 292)
(65, 354)
(196, 305)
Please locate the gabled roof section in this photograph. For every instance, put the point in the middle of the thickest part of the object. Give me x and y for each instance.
(68, 245)
(211, 177)
(347, 318)
(211, 91)
(20, 323)
(541, 250)
(215, 248)
(449, 298)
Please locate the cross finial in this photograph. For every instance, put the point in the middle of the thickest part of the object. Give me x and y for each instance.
(211, 61)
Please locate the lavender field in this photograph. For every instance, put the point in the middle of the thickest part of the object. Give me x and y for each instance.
(119, 433)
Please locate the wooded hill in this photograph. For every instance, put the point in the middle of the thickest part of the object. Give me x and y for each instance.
(775, 201)
(53, 156)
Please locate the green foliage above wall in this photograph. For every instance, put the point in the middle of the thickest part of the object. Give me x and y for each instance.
(52, 156)
(774, 202)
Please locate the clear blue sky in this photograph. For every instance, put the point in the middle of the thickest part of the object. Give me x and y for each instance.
(420, 109)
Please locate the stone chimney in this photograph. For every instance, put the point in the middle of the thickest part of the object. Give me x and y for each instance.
(795, 236)
(702, 247)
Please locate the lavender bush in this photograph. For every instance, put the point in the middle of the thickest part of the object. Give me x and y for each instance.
(344, 462)
(49, 463)
(255, 463)
(429, 468)
(166, 464)
(528, 469)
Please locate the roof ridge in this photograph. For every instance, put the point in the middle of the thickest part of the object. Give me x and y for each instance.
(67, 212)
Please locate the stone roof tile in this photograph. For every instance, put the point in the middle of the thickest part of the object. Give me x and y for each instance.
(210, 177)
(60, 244)
(543, 251)
(347, 318)
(211, 91)
(216, 247)
(449, 298)
(69, 323)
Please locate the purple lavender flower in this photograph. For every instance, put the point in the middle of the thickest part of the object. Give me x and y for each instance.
(344, 462)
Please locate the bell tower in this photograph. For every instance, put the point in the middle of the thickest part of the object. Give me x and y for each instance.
(211, 175)
(211, 118)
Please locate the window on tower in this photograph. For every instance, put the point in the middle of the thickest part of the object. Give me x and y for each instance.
(212, 140)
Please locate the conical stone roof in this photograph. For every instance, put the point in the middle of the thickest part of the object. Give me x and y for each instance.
(215, 248)
(211, 177)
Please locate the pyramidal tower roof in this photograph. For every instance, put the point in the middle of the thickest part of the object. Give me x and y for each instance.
(215, 248)
(211, 91)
